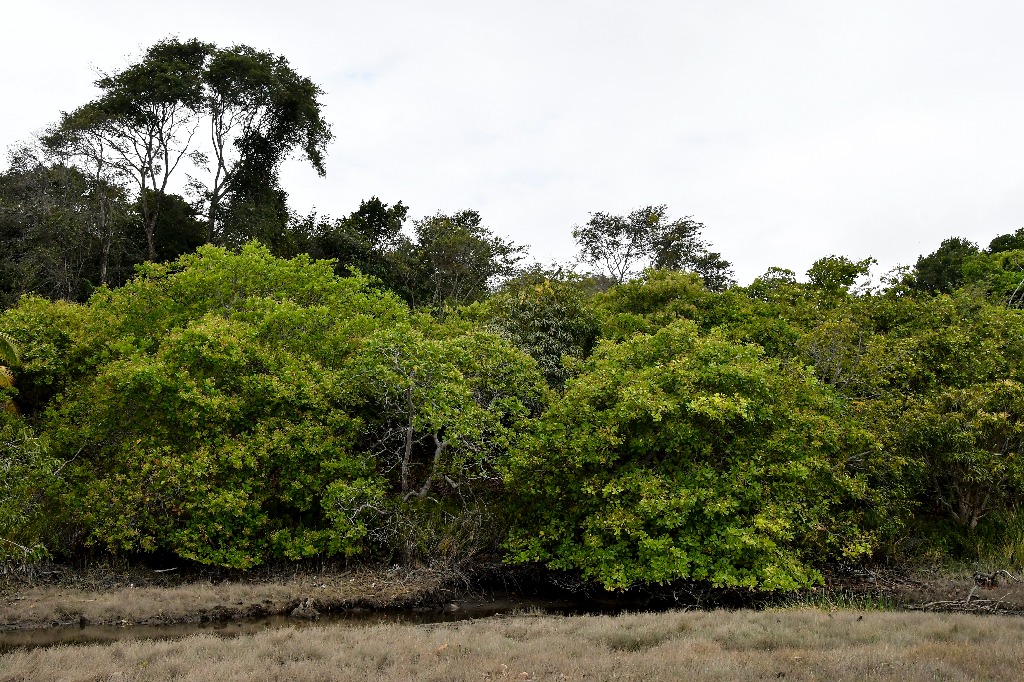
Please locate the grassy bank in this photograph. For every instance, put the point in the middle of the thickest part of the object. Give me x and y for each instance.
(715, 645)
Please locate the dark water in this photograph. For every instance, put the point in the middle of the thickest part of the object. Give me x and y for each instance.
(103, 634)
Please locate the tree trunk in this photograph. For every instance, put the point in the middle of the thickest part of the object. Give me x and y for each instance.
(439, 447)
(407, 455)
(211, 220)
(105, 243)
(150, 226)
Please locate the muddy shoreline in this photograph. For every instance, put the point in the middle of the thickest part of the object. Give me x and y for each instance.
(148, 602)
(61, 597)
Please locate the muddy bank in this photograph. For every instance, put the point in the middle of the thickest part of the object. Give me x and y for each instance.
(923, 589)
(467, 608)
(61, 597)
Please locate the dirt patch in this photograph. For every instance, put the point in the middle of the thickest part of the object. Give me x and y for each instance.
(57, 596)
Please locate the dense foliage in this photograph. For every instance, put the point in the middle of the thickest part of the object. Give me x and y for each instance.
(677, 455)
(236, 408)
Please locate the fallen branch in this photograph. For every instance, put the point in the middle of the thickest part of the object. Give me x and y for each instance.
(1011, 576)
(993, 606)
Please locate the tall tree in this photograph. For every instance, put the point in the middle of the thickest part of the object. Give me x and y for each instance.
(260, 110)
(942, 271)
(64, 232)
(142, 130)
(618, 245)
(836, 274)
(367, 239)
(86, 153)
(1007, 242)
(145, 120)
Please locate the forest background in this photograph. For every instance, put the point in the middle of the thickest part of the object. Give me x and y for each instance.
(209, 377)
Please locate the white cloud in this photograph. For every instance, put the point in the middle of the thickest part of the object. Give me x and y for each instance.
(792, 129)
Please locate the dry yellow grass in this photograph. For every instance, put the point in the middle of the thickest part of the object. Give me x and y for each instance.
(739, 645)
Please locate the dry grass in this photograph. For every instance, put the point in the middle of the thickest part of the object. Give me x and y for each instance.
(24, 607)
(717, 645)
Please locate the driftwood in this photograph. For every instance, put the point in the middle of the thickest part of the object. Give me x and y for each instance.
(991, 606)
(970, 605)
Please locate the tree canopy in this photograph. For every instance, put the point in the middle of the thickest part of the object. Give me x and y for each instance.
(622, 246)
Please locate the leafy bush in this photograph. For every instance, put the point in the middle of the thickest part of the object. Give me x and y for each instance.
(680, 456)
(26, 471)
(236, 408)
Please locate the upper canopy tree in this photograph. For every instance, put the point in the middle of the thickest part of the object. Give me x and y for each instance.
(836, 274)
(455, 258)
(147, 119)
(1007, 242)
(943, 271)
(60, 228)
(366, 239)
(622, 246)
(143, 124)
(259, 110)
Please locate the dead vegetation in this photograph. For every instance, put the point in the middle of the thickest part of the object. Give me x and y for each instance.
(706, 645)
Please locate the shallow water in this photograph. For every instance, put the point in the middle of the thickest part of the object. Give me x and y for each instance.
(104, 634)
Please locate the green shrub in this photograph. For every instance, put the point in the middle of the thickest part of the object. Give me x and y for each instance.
(237, 408)
(676, 456)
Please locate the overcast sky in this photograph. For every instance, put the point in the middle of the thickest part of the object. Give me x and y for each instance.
(792, 129)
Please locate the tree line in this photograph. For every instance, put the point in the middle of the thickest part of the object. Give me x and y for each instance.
(270, 387)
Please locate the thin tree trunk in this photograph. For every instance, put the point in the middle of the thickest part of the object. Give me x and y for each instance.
(150, 227)
(106, 239)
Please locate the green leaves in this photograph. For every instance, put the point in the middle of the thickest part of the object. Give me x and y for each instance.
(548, 318)
(220, 408)
(9, 357)
(969, 443)
(27, 469)
(680, 456)
(234, 408)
